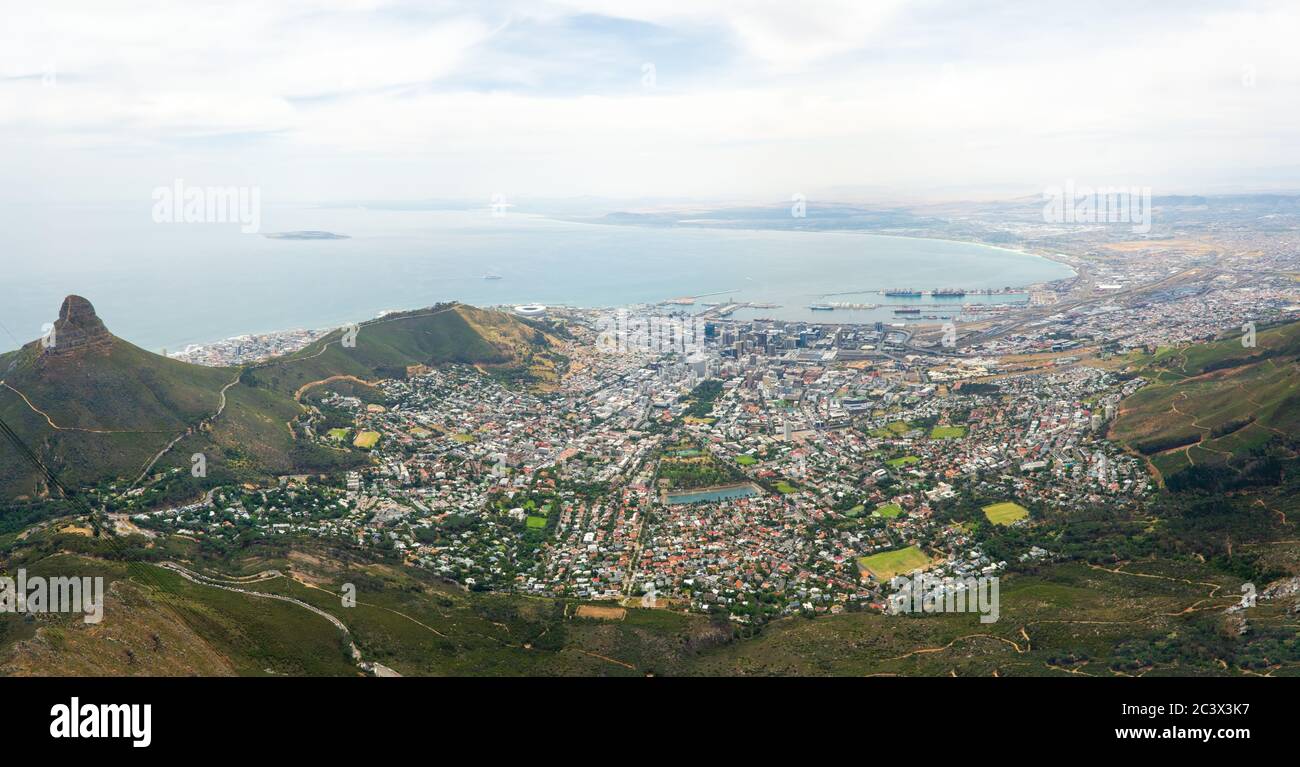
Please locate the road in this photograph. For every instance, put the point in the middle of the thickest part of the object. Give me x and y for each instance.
(221, 407)
(371, 667)
(57, 427)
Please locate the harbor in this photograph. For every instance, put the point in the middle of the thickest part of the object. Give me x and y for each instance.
(935, 293)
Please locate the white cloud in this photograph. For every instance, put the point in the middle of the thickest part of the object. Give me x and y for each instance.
(787, 36)
(376, 100)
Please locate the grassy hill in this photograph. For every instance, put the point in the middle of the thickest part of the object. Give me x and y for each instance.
(1216, 404)
(451, 333)
(94, 406)
(1154, 617)
(97, 409)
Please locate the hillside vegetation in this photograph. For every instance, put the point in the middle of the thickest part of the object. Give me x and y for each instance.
(1217, 405)
(1155, 617)
(386, 347)
(99, 410)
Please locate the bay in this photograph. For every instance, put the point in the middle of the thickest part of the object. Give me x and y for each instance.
(169, 285)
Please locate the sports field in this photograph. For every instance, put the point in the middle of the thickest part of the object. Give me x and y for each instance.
(888, 511)
(1005, 513)
(895, 429)
(366, 440)
(887, 564)
(947, 432)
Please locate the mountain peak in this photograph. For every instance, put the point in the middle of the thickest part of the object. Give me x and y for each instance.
(78, 327)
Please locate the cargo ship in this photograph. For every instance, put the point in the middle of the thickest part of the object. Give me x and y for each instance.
(821, 307)
(902, 293)
(948, 293)
(907, 311)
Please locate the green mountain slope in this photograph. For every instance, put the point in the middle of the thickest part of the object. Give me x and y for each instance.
(97, 409)
(386, 347)
(1216, 404)
(92, 405)
(1156, 617)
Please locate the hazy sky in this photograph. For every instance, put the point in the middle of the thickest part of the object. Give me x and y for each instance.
(350, 99)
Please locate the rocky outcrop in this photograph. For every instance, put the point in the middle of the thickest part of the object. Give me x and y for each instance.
(77, 329)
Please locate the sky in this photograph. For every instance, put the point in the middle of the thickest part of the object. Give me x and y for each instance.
(727, 100)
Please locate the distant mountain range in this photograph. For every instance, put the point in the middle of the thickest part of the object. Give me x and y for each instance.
(306, 235)
(96, 409)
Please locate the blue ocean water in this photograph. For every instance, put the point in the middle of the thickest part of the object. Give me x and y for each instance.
(173, 284)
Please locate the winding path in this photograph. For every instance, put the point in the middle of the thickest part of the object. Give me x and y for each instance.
(57, 427)
(371, 667)
(221, 408)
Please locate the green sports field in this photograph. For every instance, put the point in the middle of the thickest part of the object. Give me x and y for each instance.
(947, 432)
(887, 564)
(888, 511)
(895, 429)
(1005, 513)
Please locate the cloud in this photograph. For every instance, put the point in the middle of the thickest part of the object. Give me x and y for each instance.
(749, 98)
(782, 36)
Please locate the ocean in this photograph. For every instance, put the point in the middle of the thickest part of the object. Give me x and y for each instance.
(170, 285)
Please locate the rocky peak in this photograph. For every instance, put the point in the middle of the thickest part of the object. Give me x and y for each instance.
(78, 327)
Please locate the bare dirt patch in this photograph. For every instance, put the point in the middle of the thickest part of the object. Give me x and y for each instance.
(601, 613)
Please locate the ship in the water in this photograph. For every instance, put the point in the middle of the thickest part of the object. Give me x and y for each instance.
(948, 293)
(821, 307)
(907, 311)
(491, 276)
(903, 293)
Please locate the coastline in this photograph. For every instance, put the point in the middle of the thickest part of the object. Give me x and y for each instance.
(297, 317)
(859, 232)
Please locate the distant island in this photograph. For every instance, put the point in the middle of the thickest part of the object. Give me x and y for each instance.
(307, 235)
